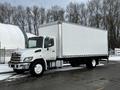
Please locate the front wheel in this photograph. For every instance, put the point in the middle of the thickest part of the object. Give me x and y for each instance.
(37, 68)
(91, 64)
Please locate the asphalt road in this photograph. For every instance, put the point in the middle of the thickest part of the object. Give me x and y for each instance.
(105, 77)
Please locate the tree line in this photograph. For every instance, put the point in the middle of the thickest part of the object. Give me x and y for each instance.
(103, 14)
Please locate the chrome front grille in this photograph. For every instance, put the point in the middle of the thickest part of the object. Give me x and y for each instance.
(15, 57)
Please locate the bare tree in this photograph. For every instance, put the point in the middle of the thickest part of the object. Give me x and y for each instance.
(29, 19)
(19, 17)
(72, 13)
(38, 18)
(3, 12)
(94, 9)
(113, 21)
(83, 14)
(55, 13)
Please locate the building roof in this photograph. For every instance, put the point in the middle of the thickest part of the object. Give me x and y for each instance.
(11, 37)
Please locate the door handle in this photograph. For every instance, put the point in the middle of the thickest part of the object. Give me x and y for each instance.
(47, 49)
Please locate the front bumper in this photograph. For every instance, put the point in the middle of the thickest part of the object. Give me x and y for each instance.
(20, 65)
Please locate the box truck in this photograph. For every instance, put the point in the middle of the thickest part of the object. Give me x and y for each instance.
(61, 41)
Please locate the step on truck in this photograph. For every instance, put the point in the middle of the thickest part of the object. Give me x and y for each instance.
(61, 41)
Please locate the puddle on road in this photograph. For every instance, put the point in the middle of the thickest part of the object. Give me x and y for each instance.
(99, 84)
(15, 76)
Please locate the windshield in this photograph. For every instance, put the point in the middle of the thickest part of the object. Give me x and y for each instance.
(35, 42)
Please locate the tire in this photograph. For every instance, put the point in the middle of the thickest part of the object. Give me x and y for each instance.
(18, 71)
(91, 64)
(37, 68)
(74, 64)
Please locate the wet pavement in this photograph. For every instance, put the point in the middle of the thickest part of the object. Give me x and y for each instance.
(105, 77)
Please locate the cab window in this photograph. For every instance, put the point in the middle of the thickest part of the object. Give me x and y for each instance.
(49, 42)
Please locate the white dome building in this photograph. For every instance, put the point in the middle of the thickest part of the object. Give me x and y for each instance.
(11, 37)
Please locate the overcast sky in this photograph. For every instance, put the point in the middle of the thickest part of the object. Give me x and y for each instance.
(42, 3)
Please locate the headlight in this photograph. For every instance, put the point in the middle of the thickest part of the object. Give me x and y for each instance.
(28, 59)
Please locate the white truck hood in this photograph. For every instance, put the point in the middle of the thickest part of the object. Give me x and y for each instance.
(25, 51)
(31, 52)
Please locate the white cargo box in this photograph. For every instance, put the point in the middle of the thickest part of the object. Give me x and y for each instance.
(76, 40)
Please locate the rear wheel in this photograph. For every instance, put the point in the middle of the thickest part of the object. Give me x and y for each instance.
(18, 71)
(37, 68)
(91, 64)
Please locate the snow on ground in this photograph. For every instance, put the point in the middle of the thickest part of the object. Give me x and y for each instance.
(12, 76)
(15, 76)
(100, 64)
(6, 73)
(4, 68)
(114, 58)
(4, 76)
(5, 60)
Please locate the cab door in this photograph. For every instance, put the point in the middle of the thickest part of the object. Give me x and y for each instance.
(50, 48)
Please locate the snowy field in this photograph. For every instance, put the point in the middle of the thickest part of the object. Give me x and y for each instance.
(114, 58)
(5, 60)
(4, 68)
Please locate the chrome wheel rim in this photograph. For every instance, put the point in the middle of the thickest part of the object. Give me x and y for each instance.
(93, 63)
(38, 68)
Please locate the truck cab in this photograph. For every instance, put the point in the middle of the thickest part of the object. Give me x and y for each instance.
(40, 50)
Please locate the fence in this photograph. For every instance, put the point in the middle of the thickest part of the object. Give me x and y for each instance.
(117, 51)
(5, 54)
(2, 55)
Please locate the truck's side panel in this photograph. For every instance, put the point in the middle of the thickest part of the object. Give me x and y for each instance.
(80, 41)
